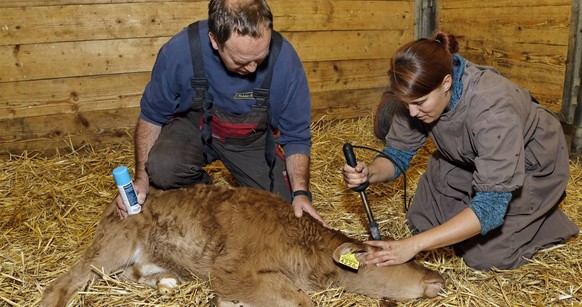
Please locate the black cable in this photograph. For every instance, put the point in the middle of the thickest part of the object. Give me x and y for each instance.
(382, 154)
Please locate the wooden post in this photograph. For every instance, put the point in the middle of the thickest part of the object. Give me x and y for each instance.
(571, 107)
(424, 18)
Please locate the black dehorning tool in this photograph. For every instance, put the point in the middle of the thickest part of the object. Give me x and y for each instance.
(351, 160)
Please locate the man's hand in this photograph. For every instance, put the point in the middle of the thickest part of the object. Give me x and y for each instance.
(142, 189)
(301, 203)
(146, 135)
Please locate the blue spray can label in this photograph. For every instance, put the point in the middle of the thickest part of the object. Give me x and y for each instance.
(126, 189)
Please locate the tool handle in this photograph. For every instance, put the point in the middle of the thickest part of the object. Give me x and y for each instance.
(351, 160)
(371, 222)
(375, 231)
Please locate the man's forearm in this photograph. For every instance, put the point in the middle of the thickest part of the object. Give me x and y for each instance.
(298, 171)
(146, 135)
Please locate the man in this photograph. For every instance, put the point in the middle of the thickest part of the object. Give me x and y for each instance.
(220, 89)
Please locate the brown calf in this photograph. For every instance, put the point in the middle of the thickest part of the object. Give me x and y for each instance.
(248, 242)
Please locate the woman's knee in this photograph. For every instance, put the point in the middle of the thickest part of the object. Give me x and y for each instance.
(484, 263)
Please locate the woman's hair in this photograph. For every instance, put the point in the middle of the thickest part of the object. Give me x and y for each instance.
(420, 66)
(243, 16)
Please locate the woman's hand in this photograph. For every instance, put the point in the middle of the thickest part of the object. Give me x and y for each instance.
(355, 176)
(392, 252)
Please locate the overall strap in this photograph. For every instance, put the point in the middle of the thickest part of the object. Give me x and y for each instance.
(199, 81)
(261, 96)
(202, 101)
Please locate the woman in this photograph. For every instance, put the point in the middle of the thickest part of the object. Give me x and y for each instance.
(493, 186)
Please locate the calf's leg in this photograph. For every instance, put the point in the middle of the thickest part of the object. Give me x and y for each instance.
(108, 253)
(154, 276)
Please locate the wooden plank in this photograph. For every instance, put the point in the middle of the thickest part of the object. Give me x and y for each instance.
(501, 4)
(98, 93)
(33, 3)
(328, 76)
(345, 104)
(542, 75)
(52, 24)
(535, 30)
(308, 15)
(74, 59)
(542, 70)
(47, 133)
(551, 54)
(525, 40)
(70, 95)
(103, 127)
(67, 23)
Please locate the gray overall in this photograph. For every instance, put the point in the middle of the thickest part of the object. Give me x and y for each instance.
(496, 139)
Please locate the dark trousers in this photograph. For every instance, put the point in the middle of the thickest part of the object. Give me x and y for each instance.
(533, 221)
(176, 160)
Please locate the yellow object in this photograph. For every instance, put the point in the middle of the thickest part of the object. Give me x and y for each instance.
(350, 261)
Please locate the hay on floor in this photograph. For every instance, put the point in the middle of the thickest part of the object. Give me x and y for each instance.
(50, 206)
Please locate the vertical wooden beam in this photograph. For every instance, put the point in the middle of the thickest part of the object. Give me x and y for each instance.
(573, 66)
(425, 17)
(572, 95)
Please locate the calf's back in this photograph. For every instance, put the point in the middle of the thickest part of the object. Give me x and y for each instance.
(248, 242)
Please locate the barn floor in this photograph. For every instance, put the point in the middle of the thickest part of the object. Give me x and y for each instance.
(50, 207)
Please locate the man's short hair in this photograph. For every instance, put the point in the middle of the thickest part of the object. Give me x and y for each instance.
(246, 17)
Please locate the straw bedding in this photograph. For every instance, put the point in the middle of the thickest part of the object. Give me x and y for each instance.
(50, 206)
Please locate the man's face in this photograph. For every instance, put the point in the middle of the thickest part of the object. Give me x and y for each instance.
(243, 54)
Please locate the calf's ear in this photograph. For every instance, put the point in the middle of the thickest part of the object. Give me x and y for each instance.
(348, 248)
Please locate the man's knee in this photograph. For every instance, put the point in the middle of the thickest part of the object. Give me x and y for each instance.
(168, 173)
(161, 172)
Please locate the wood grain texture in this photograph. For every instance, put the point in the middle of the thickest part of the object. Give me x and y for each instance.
(50, 24)
(101, 57)
(75, 69)
(527, 41)
(104, 92)
(56, 132)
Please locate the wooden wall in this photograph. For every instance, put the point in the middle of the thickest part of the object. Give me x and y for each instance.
(72, 71)
(526, 40)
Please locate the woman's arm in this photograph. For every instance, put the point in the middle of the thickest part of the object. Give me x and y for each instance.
(461, 227)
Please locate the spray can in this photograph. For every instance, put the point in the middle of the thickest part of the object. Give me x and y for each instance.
(126, 189)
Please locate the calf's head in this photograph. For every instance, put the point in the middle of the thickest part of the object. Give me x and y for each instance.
(401, 282)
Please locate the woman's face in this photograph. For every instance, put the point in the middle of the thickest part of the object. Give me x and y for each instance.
(429, 108)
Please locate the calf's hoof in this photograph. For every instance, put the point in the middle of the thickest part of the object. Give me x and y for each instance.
(167, 286)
